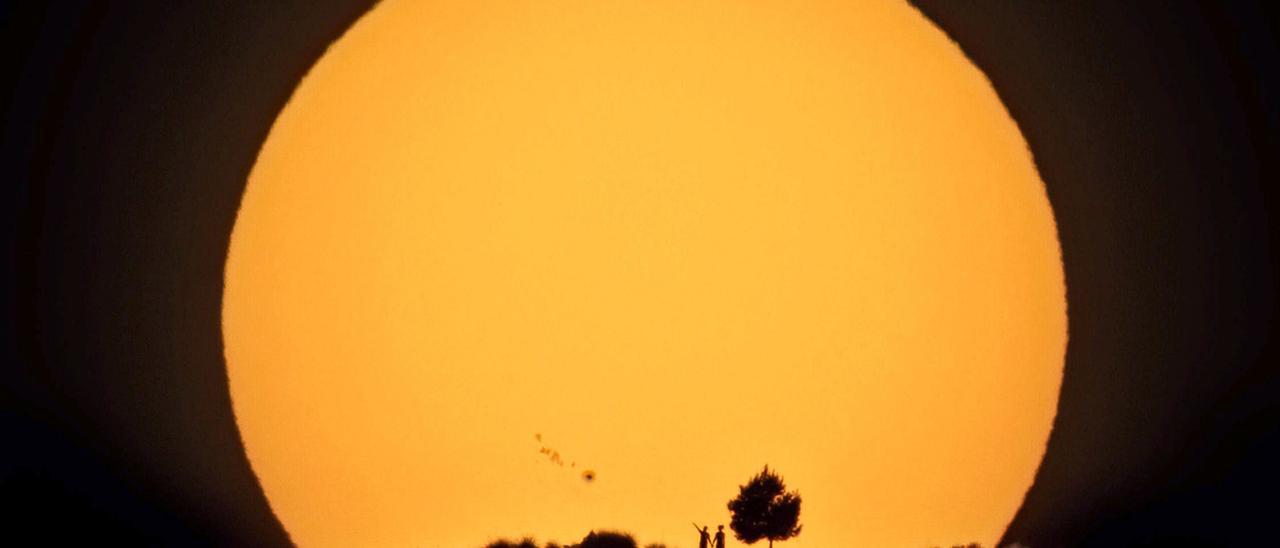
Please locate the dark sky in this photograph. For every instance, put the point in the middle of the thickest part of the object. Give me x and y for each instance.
(129, 129)
(1155, 130)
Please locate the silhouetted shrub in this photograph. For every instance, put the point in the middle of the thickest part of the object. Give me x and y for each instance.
(503, 543)
(608, 539)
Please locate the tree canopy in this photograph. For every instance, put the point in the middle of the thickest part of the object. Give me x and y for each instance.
(764, 509)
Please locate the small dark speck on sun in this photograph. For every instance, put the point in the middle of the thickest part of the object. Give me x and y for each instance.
(588, 475)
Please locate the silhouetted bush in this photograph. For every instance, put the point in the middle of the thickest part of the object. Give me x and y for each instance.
(608, 539)
(594, 539)
(503, 543)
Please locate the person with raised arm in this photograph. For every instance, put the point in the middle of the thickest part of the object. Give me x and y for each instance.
(704, 538)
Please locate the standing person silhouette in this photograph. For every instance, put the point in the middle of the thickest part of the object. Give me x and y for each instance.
(704, 538)
(720, 537)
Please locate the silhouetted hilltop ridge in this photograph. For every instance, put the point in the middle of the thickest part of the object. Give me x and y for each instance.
(618, 539)
(594, 539)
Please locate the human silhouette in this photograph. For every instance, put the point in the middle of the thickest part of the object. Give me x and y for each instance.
(704, 537)
(720, 537)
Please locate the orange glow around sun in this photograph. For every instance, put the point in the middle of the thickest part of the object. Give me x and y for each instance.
(538, 268)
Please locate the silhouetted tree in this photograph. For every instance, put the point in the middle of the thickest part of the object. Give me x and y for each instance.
(608, 539)
(764, 509)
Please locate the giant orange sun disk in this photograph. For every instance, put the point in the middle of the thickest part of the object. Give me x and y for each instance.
(666, 241)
